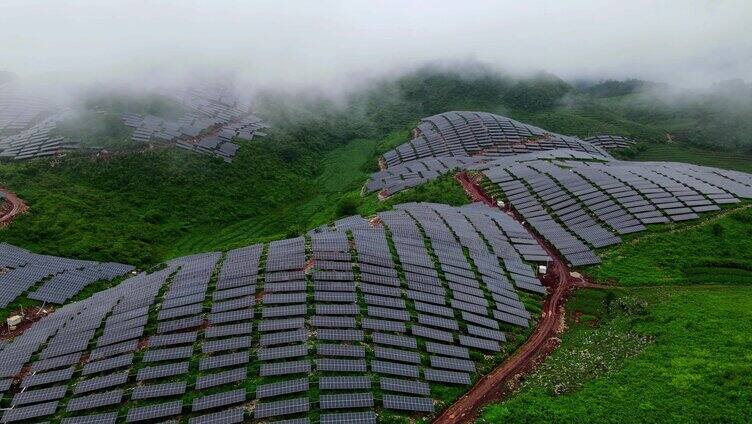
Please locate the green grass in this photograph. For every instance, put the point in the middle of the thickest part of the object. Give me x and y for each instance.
(342, 172)
(672, 354)
(715, 249)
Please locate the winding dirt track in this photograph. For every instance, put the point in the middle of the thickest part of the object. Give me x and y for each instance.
(17, 207)
(544, 339)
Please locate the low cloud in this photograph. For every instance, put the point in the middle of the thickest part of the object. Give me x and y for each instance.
(335, 44)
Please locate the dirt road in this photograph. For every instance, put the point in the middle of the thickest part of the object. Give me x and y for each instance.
(15, 207)
(560, 284)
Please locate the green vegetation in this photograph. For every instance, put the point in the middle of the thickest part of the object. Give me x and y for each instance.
(666, 354)
(97, 130)
(715, 249)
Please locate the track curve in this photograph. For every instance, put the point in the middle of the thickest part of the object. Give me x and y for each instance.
(17, 207)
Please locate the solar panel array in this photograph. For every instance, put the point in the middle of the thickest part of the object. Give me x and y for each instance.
(579, 205)
(38, 140)
(214, 118)
(63, 277)
(18, 110)
(460, 133)
(610, 142)
(289, 316)
(459, 139)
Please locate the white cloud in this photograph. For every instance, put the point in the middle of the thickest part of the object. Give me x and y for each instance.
(328, 43)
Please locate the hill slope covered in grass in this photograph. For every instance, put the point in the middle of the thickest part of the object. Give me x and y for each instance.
(664, 354)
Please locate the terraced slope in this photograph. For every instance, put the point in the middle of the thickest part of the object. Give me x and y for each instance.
(330, 327)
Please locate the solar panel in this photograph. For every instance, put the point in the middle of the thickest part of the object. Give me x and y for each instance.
(106, 418)
(95, 400)
(346, 309)
(395, 340)
(239, 342)
(102, 382)
(218, 399)
(408, 403)
(397, 355)
(56, 362)
(344, 383)
(332, 321)
(161, 340)
(161, 371)
(382, 325)
(339, 334)
(284, 337)
(432, 333)
(283, 311)
(452, 363)
(271, 353)
(158, 390)
(442, 376)
(220, 378)
(39, 395)
(282, 368)
(346, 401)
(404, 386)
(448, 350)
(228, 330)
(224, 360)
(48, 377)
(281, 324)
(340, 350)
(281, 408)
(393, 368)
(230, 416)
(167, 354)
(29, 412)
(341, 365)
(151, 412)
(482, 344)
(282, 388)
(368, 417)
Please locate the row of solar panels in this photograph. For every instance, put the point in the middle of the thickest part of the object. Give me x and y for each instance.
(459, 133)
(209, 110)
(421, 311)
(18, 111)
(580, 205)
(610, 142)
(410, 174)
(60, 278)
(39, 140)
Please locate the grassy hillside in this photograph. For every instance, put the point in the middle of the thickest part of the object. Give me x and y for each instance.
(715, 249)
(667, 354)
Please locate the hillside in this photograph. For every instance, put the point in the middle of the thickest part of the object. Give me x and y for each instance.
(143, 207)
(267, 294)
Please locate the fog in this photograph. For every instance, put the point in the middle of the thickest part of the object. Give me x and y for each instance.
(335, 44)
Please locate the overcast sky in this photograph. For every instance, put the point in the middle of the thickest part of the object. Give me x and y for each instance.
(318, 42)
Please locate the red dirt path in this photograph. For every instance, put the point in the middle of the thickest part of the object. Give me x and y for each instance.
(544, 339)
(16, 207)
